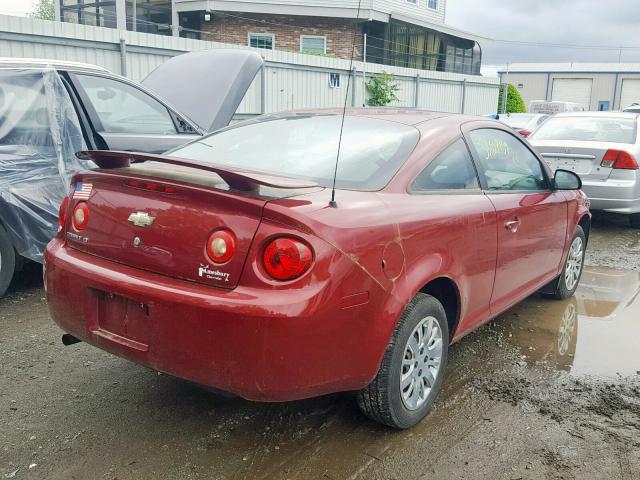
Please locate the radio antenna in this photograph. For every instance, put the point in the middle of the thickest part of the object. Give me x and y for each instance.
(333, 203)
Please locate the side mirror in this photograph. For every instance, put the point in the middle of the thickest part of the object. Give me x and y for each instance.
(566, 180)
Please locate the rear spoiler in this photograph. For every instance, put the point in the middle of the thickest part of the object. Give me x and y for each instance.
(237, 179)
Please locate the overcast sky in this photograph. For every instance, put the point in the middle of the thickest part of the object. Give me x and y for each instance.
(611, 23)
(16, 7)
(562, 22)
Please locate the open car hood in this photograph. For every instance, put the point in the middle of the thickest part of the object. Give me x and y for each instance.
(206, 86)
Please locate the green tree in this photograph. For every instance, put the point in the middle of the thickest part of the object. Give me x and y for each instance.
(382, 90)
(44, 10)
(515, 103)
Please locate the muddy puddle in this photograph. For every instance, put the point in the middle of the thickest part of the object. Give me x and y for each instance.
(596, 332)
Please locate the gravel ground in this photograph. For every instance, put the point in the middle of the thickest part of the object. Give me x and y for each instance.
(548, 390)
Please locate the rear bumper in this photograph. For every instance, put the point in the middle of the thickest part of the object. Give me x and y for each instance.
(619, 196)
(281, 346)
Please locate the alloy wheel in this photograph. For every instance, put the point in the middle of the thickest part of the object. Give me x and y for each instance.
(421, 363)
(574, 264)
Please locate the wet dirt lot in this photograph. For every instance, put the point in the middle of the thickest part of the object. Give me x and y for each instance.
(548, 390)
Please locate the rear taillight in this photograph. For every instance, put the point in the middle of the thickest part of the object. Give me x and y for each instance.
(80, 216)
(525, 133)
(221, 246)
(62, 212)
(619, 159)
(287, 258)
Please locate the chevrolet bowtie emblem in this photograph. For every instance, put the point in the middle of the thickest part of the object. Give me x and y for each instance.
(141, 219)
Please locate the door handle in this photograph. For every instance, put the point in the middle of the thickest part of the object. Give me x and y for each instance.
(512, 225)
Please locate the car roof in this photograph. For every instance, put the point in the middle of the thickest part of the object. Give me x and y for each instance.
(406, 116)
(629, 115)
(40, 63)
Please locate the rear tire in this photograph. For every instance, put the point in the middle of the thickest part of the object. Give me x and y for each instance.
(7, 261)
(412, 369)
(566, 284)
(634, 220)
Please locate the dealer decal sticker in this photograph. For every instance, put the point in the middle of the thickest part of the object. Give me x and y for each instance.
(205, 271)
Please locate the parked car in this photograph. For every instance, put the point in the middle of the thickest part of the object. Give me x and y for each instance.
(633, 108)
(230, 261)
(49, 110)
(546, 107)
(523, 123)
(601, 147)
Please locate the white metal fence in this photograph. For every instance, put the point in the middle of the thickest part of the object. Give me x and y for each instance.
(289, 80)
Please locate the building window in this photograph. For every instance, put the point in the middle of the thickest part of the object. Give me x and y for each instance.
(313, 44)
(334, 80)
(432, 4)
(261, 40)
(413, 2)
(100, 13)
(150, 16)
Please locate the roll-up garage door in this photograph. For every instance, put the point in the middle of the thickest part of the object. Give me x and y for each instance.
(575, 90)
(630, 92)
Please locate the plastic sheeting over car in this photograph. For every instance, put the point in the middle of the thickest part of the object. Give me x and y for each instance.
(39, 135)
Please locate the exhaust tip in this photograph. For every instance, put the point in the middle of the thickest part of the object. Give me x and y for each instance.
(69, 339)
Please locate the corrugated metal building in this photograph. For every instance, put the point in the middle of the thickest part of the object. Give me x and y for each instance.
(597, 86)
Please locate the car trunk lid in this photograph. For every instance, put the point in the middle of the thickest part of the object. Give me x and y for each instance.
(583, 158)
(159, 215)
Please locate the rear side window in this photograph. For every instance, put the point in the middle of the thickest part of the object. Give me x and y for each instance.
(305, 146)
(122, 108)
(450, 170)
(505, 162)
(588, 129)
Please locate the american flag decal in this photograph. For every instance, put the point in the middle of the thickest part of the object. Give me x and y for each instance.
(82, 191)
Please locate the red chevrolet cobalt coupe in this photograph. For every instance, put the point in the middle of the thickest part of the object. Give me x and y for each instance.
(225, 262)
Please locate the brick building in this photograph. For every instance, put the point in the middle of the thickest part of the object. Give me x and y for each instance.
(403, 33)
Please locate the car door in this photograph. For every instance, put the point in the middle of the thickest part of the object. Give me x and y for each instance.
(531, 216)
(455, 224)
(125, 117)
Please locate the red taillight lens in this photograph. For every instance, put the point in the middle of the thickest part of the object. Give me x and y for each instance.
(525, 133)
(80, 216)
(221, 246)
(154, 187)
(287, 258)
(619, 159)
(62, 212)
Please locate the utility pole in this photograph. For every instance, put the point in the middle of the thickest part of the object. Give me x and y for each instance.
(505, 91)
(364, 74)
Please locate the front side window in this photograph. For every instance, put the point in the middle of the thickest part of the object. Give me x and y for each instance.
(122, 108)
(450, 170)
(306, 147)
(313, 44)
(505, 162)
(261, 40)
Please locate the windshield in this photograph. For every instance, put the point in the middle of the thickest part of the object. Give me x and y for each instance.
(588, 129)
(305, 146)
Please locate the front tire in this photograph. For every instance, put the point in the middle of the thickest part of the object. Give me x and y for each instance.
(412, 369)
(567, 282)
(7, 261)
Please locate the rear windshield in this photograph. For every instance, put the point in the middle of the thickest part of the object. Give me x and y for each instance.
(588, 129)
(518, 121)
(305, 147)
